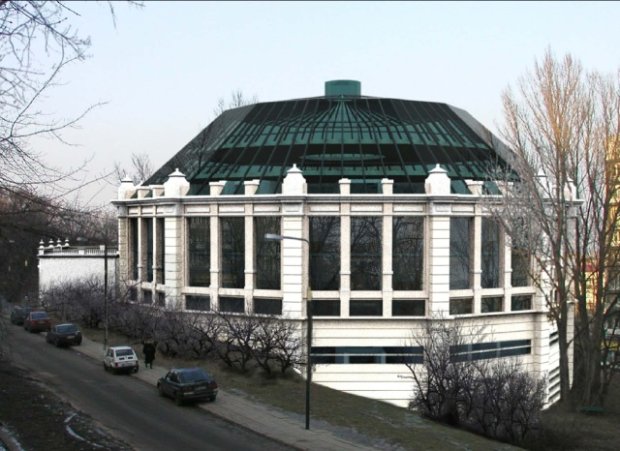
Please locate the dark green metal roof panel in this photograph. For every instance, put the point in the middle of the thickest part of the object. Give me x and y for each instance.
(332, 137)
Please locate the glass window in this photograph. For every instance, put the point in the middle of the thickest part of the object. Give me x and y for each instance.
(267, 253)
(325, 252)
(521, 302)
(491, 304)
(132, 294)
(326, 307)
(199, 251)
(461, 306)
(161, 251)
(133, 237)
(232, 305)
(520, 267)
(365, 308)
(408, 307)
(366, 253)
(367, 354)
(490, 253)
(407, 253)
(233, 252)
(264, 306)
(148, 228)
(194, 302)
(460, 253)
(147, 297)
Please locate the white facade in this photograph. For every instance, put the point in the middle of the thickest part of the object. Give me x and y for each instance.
(162, 212)
(62, 263)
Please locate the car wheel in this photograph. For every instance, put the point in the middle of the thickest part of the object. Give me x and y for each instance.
(212, 398)
(57, 343)
(105, 367)
(178, 399)
(160, 389)
(135, 369)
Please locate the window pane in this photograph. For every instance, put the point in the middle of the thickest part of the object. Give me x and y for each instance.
(147, 297)
(491, 304)
(408, 307)
(199, 251)
(197, 303)
(161, 251)
(490, 253)
(408, 253)
(366, 308)
(521, 303)
(325, 252)
(366, 253)
(267, 253)
(461, 306)
(326, 307)
(233, 252)
(520, 267)
(265, 306)
(460, 253)
(133, 231)
(148, 229)
(232, 305)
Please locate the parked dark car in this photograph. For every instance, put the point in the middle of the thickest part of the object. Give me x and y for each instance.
(64, 335)
(37, 321)
(18, 314)
(188, 384)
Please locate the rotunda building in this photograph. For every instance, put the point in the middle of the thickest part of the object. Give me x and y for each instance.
(377, 207)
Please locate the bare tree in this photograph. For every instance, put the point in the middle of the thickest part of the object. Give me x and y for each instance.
(141, 169)
(443, 384)
(460, 384)
(37, 42)
(562, 124)
(237, 99)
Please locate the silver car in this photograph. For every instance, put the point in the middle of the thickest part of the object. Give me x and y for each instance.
(121, 359)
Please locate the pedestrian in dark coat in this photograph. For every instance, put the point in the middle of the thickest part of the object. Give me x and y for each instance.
(149, 353)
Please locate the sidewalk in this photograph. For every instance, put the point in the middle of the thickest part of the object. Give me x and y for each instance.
(259, 418)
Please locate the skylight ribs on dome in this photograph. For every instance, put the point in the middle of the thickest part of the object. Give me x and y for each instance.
(364, 139)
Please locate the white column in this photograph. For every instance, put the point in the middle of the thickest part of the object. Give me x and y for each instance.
(388, 271)
(477, 261)
(174, 237)
(249, 259)
(293, 255)
(438, 243)
(345, 259)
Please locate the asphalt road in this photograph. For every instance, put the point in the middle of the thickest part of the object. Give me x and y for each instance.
(129, 408)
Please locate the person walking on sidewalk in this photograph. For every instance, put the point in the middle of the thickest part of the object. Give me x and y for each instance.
(149, 353)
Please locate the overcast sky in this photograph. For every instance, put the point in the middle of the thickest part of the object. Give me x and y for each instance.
(163, 67)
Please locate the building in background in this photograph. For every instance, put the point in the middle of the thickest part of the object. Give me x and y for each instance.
(61, 263)
(390, 195)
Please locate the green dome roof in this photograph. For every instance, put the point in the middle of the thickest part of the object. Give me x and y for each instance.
(340, 135)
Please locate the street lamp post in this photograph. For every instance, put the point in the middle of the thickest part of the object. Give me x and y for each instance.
(105, 288)
(275, 237)
(105, 295)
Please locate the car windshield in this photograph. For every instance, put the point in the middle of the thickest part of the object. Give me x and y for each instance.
(66, 328)
(39, 315)
(193, 375)
(124, 352)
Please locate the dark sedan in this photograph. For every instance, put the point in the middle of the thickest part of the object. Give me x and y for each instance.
(18, 314)
(188, 384)
(64, 335)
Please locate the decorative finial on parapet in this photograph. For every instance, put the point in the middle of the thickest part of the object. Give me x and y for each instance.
(437, 182)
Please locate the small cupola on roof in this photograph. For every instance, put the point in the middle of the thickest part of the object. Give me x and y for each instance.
(337, 88)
